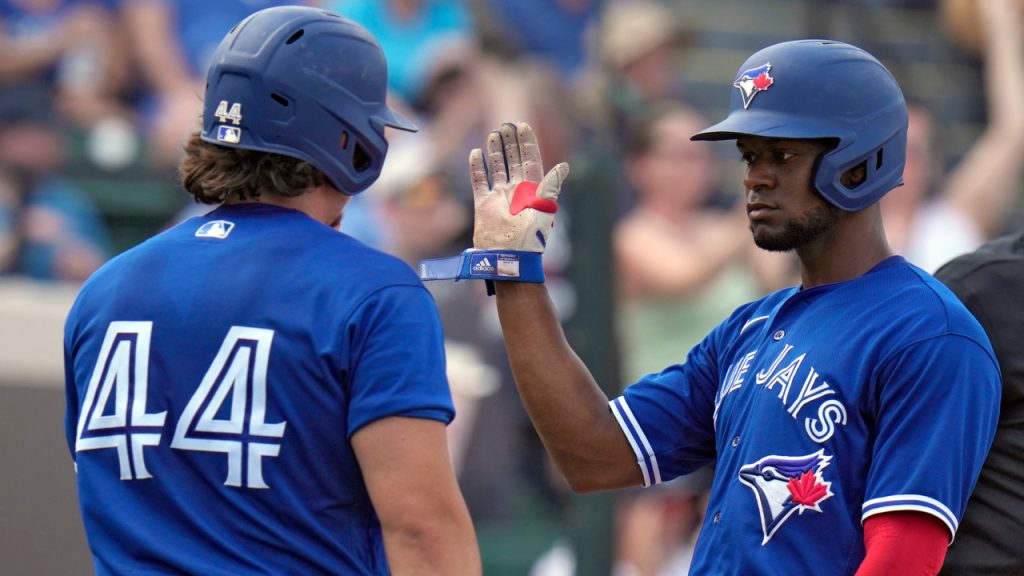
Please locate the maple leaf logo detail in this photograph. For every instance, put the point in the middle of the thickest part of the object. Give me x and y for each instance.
(784, 486)
(763, 81)
(806, 490)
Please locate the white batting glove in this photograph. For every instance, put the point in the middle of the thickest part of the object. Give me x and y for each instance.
(515, 207)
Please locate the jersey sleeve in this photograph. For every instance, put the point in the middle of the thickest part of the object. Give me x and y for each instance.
(668, 417)
(936, 414)
(397, 363)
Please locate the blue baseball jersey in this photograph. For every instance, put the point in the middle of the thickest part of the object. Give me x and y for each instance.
(215, 375)
(820, 408)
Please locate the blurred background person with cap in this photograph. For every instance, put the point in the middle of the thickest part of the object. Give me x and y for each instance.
(936, 216)
(59, 72)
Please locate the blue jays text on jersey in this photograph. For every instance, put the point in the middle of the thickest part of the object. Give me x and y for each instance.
(215, 374)
(820, 408)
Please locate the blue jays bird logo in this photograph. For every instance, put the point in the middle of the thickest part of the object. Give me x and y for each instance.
(753, 81)
(783, 485)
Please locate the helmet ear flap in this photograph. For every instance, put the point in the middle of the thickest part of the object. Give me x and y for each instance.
(816, 167)
(883, 171)
(361, 160)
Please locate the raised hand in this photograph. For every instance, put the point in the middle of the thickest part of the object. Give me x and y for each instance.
(515, 201)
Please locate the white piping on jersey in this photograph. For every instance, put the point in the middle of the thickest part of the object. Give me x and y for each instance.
(929, 505)
(632, 442)
(620, 404)
(643, 438)
(748, 323)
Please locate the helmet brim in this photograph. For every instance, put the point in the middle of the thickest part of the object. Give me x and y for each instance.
(393, 119)
(767, 124)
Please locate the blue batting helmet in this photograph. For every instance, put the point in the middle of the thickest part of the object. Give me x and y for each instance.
(823, 89)
(305, 83)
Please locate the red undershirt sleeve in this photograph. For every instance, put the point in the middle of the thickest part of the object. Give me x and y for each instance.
(903, 544)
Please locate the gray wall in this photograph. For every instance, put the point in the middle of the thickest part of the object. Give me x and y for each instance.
(40, 527)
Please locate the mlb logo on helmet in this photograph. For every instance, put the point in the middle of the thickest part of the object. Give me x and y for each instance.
(753, 81)
(229, 134)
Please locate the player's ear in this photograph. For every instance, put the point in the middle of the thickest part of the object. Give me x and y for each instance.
(855, 176)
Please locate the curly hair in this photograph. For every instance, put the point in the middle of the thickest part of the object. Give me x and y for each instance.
(214, 174)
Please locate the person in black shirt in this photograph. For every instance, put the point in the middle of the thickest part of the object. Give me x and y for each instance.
(990, 282)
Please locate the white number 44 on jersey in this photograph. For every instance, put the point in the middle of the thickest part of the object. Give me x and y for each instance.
(114, 412)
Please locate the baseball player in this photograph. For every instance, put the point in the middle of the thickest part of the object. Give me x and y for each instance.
(253, 392)
(848, 417)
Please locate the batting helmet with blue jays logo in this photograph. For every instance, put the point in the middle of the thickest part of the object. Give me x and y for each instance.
(305, 83)
(811, 89)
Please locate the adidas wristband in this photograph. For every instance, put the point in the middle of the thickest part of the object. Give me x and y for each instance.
(473, 264)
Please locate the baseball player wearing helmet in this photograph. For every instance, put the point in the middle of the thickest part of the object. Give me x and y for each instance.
(251, 391)
(847, 417)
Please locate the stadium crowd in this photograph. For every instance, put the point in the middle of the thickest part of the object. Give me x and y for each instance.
(98, 96)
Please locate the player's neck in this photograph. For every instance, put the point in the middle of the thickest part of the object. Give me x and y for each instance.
(322, 203)
(855, 246)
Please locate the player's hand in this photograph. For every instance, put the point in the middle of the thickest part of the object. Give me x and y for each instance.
(516, 204)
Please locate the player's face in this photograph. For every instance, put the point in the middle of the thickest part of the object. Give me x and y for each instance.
(784, 210)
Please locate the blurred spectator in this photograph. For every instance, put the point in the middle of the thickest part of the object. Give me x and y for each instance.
(415, 34)
(680, 260)
(437, 68)
(964, 24)
(51, 232)
(931, 220)
(60, 61)
(63, 236)
(433, 63)
(639, 55)
(550, 30)
(57, 73)
(681, 267)
(172, 41)
(458, 92)
(421, 215)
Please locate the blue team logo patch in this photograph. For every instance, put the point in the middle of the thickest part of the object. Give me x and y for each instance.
(229, 134)
(752, 82)
(783, 485)
(218, 229)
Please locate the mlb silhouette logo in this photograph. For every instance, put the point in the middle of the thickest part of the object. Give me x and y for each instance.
(218, 229)
(229, 134)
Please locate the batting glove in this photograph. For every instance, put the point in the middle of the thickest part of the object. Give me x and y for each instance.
(515, 205)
